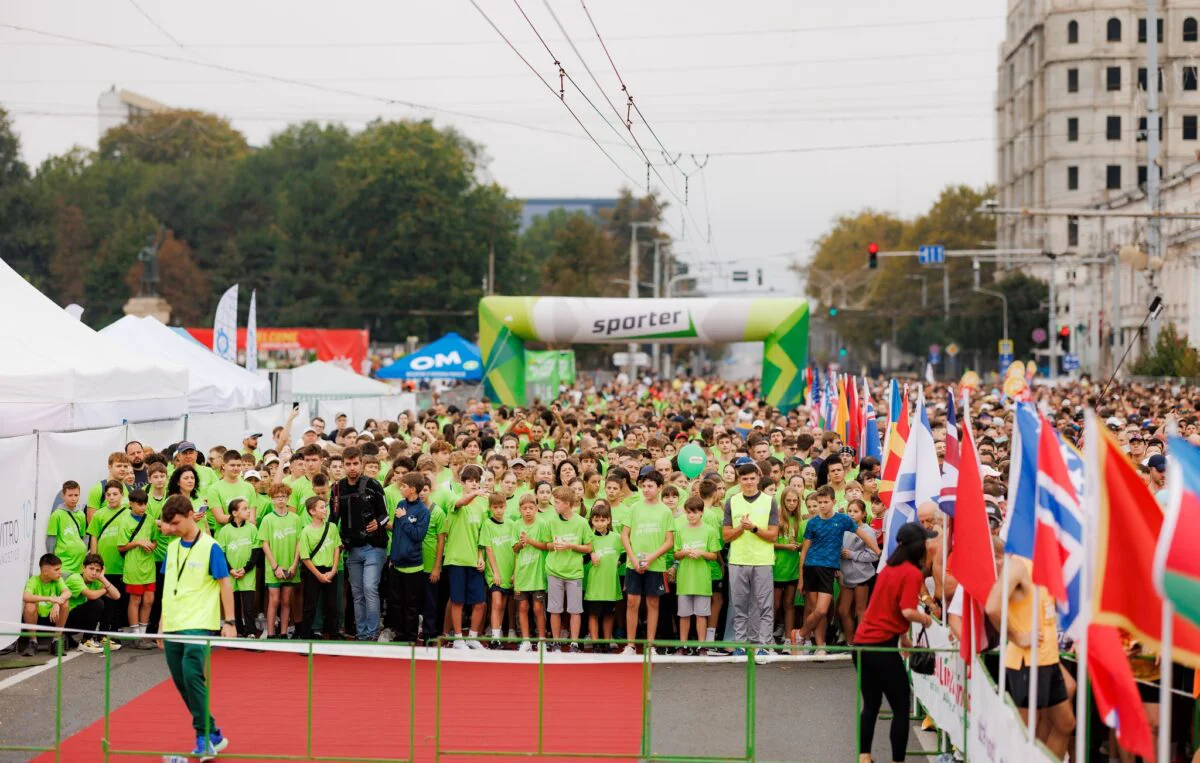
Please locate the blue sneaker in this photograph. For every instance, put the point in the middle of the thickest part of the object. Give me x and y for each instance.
(204, 749)
(218, 741)
(763, 653)
(739, 652)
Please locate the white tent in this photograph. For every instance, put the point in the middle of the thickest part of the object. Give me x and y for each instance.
(321, 379)
(59, 374)
(215, 385)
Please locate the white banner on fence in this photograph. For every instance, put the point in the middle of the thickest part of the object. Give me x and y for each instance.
(208, 430)
(997, 734)
(942, 694)
(18, 473)
(156, 434)
(263, 420)
(390, 407)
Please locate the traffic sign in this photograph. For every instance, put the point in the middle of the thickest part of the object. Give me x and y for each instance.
(621, 359)
(1070, 362)
(952, 349)
(931, 254)
(1006, 347)
(1039, 334)
(935, 358)
(1005, 360)
(741, 276)
(934, 349)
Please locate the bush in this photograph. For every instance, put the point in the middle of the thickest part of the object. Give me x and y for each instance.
(1171, 356)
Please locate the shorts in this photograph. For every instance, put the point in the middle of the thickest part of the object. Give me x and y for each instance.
(599, 608)
(493, 588)
(466, 584)
(1051, 688)
(283, 584)
(564, 594)
(782, 584)
(819, 579)
(694, 604)
(648, 583)
(135, 589)
(530, 596)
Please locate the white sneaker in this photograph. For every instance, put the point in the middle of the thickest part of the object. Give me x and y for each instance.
(460, 644)
(628, 650)
(820, 653)
(90, 646)
(387, 635)
(525, 647)
(475, 644)
(113, 646)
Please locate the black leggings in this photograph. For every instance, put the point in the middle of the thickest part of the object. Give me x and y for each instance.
(883, 674)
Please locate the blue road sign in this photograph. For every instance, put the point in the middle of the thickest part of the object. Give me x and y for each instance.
(931, 254)
(1070, 362)
(1005, 361)
(934, 358)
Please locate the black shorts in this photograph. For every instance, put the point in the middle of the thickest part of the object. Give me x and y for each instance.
(466, 584)
(599, 608)
(648, 583)
(779, 585)
(819, 580)
(1051, 690)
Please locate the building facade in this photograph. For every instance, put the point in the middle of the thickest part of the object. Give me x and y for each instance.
(118, 107)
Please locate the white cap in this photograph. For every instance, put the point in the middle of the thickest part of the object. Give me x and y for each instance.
(758, 423)
(246, 435)
(251, 474)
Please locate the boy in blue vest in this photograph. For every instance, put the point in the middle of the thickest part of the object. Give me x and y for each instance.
(196, 589)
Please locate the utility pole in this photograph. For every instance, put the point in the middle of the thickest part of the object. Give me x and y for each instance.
(946, 292)
(656, 349)
(631, 367)
(491, 267)
(1052, 335)
(1153, 186)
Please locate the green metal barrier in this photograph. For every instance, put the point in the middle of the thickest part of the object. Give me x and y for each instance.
(646, 753)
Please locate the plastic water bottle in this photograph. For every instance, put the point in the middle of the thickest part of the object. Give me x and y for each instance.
(175, 759)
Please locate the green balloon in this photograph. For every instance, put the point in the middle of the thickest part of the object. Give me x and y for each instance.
(692, 460)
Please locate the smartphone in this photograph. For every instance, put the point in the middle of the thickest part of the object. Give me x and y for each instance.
(295, 406)
(202, 508)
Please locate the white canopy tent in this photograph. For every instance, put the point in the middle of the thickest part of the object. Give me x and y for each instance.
(59, 374)
(215, 384)
(325, 380)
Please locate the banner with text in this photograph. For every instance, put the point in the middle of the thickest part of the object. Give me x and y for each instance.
(18, 471)
(997, 734)
(943, 693)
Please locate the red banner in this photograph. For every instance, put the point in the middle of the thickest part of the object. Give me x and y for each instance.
(346, 347)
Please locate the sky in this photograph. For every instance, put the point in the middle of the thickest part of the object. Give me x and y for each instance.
(783, 115)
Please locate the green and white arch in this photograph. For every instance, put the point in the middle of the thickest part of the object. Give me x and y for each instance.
(506, 323)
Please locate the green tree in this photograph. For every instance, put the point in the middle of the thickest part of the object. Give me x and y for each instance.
(1171, 356)
(25, 230)
(167, 137)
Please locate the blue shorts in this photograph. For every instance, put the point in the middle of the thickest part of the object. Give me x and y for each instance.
(648, 583)
(466, 585)
(499, 589)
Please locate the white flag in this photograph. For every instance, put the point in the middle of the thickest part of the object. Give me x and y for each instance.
(225, 326)
(252, 335)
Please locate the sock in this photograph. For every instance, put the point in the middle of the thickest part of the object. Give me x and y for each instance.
(472, 634)
(495, 633)
(710, 634)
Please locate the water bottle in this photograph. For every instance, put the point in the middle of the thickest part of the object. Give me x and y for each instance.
(175, 759)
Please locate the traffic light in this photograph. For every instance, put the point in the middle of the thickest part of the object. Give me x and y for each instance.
(1064, 337)
(872, 255)
(833, 312)
(841, 352)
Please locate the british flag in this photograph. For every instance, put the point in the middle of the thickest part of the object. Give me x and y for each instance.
(949, 494)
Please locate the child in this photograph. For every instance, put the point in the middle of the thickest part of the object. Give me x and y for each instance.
(496, 538)
(137, 539)
(710, 493)
(432, 551)
(670, 498)
(243, 550)
(103, 532)
(858, 568)
(464, 560)
(786, 572)
(564, 566)
(320, 549)
(529, 569)
(65, 532)
(647, 538)
(280, 534)
(44, 601)
(820, 559)
(601, 585)
(156, 498)
(696, 544)
(88, 589)
(406, 581)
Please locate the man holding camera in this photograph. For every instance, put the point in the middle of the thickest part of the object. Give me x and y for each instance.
(359, 509)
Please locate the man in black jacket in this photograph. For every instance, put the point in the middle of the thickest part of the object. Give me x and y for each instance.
(359, 509)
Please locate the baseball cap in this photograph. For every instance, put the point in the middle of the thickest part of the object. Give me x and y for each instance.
(758, 423)
(1157, 462)
(309, 429)
(994, 516)
(185, 446)
(1113, 421)
(517, 462)
(846, 449)
(272, 459)
(913, 532)
(250, 433)
(743, 460)
(252, 474)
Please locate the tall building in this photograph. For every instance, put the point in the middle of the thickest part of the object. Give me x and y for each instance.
(1071, 132)
(117, 107)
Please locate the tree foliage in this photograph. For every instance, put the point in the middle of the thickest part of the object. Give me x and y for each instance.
(1171, 356)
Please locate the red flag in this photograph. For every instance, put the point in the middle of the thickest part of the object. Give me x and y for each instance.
(1116, 692)
(972, 562)
(853, 438)
(973, 619)
(1055, 499)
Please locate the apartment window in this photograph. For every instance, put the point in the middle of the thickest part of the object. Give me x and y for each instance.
(1112, 177)
(1072, 129)
(1143, 132)
(1141, 78)
(1073, 80)
(1073, 32)
(1142, 30)
(1189, 78)
(1114, 30)
(1190, 31)
(1189, 127)
(1072, 231)
(1112, 79)
(1112, 128)
(1141, 179)
(1072, 178)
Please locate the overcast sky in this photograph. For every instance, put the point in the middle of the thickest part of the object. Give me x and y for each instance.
(709, 77)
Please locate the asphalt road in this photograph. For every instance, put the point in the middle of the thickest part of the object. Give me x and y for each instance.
(804, 712)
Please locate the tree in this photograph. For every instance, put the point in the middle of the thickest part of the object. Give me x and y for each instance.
(25, 240)
(167, 137)
(1171, 356)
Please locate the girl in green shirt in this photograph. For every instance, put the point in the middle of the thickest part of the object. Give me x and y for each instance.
(601, 585)
(239, 541)
(786, 573)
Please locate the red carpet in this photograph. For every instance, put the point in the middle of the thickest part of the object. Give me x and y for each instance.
(361, 708)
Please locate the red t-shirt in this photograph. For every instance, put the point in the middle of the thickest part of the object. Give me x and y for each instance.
(896, 588)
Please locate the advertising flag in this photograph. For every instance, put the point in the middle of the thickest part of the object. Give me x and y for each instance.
(225, 326)
(252, 334)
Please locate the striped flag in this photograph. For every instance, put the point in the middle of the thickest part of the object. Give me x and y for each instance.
(897, 436)
(917, 481)
(1058, 534)
(853, 417)
(814, 412)
(949, 492)
(870, 426)
(1177, 554)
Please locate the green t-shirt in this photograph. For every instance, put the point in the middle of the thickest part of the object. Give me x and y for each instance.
(205, 477)
(693, 578)
(221, 493)
(437, 526)
(238, 543)
(530, 567)
(568, 564)
(602, 582)
(139, 564)
(301, 492)
(499, 537)
(462, 534)
(69, 527)
(38, 587)
(787, 563)
(281, 534)
(713, 517)
(310, 536)
(649, 524)
(76, 585)
(262, 505)
(154, 507)
(95, 497)
(107, 539)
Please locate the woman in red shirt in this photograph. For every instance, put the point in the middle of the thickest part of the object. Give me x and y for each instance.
(892, 608)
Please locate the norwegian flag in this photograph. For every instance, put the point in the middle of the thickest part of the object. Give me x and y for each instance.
(949, 494)
(1058, 541)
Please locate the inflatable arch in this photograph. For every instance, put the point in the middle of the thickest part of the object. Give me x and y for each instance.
(506, 323)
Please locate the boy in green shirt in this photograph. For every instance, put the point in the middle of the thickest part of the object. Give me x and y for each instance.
(65, 531)
(104, 540)
(88, 589)
(696, 544)
(222, 492)
(320, 550)
(571, 540)
(464, 560)
(239, 541)
(280, 535)
(136, 540)
(44, 601)
(601, 585)
(432, 550)
(529, 569)
(496, 538)
(647, 539)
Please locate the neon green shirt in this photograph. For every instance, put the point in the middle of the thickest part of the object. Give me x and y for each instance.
(310, 536)
(530, 567)
(568, 564)
(38, 587)
(649, 524)
(238, 542)
(462, 534)
(69, 527)
(105, 533)
(602, 583)
(281, 534)
(499, 537)
(76, 585)
(693, 577)
(139, 564)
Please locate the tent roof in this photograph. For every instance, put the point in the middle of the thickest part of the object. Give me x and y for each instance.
(327, 379)
(215, 384)
(450, 357)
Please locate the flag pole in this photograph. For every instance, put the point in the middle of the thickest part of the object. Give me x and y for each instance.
(1035, 626)
(1003, 626)
(1091, 496)
(943, 618)
(1166, 673)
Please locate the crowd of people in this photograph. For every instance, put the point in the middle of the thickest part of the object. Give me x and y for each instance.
(570, 526)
